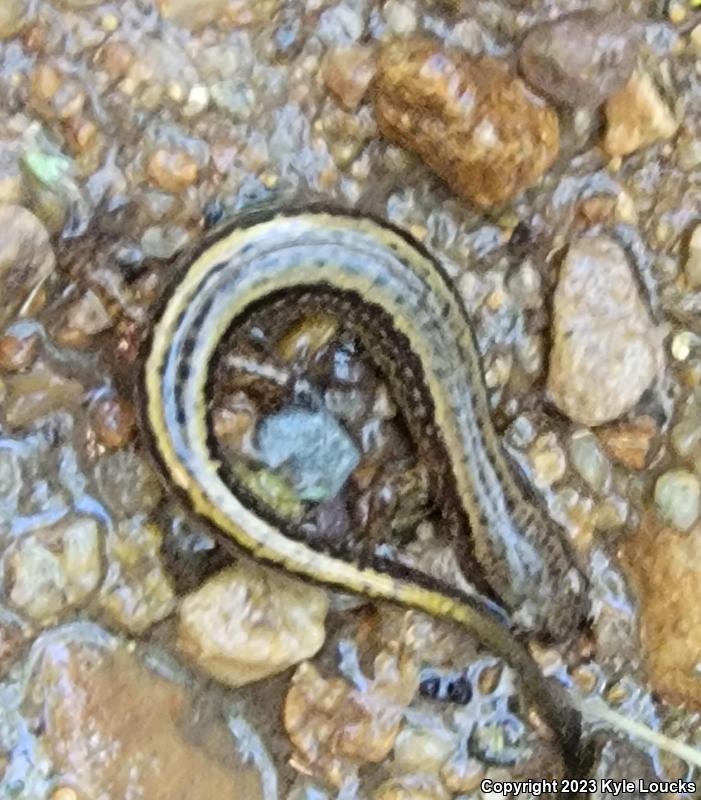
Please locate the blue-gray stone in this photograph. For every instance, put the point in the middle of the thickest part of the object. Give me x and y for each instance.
(313, 450)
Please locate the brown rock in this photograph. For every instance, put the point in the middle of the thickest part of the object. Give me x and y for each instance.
(347, 73)
(88, 315)
(55, 95)
(18, 353)
(53, 569)
(37, 393)
(335, 728)
(637, 117)
(172, 171)
(665, 568)
(113, 728)
(26, 257)
(116, 58)
(587, 73)
(115, 422)
(606, 350)
(629, 442)
(470, 120)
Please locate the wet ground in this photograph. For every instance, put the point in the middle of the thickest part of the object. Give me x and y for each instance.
(550, 157)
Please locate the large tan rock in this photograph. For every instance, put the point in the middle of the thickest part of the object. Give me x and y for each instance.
(606, 350)
(114, 729)
(472, 121)
(665, 568)
(248, 622)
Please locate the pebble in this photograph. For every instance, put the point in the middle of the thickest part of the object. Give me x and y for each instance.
(692, 264)
(422, 749)
(686, 434)
(64, 793)
(348, 72)
(485, 135)
(637, 117)
(54, 569)
(88, 316)
(248, 622)
(114, 421)
(548, 460)
(17, 354)
(400, 17)
(606, 350)
(136, 592)
(26, 257)
(127, 484)
(54, 95)
(588, 460)
(341, 24)
(113, 727)
(197, 101)
(164, 241)
(34, 394)
(629, 443)
(585, 75)
(335, 728)
(678, 498)
(315, 452)
(172, 171)
(664, 566)
(50, 187)
(12, 17)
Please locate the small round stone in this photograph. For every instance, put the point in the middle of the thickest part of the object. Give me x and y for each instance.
(582, 75)
(400, 17)
(17, 353)
(172, 171)
(115, 422)
(588, 459)
(548, 460)
(678, 498)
